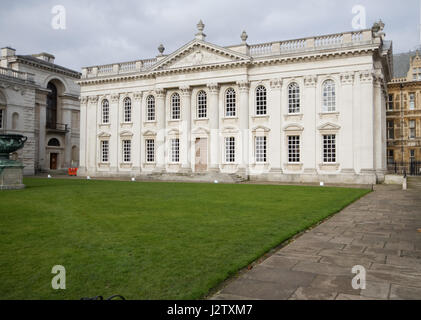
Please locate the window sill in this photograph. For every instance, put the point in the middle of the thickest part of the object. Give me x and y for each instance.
(294, 117)
(329, 166)
(150, 122)
(261, 117)
(294, 166)
(126, 165)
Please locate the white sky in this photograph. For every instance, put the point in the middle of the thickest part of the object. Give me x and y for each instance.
(100, 32)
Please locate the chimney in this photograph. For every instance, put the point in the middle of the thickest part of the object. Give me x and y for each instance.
(7, 52)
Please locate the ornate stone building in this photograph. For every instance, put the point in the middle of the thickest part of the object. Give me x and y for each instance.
(404, 115)
(40, 100)
(305, 110)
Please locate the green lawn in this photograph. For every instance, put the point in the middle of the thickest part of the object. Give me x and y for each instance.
(146, 240)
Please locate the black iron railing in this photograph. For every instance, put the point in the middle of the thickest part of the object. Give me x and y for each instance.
(412, 168)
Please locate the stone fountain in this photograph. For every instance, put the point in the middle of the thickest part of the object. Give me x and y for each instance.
(11, 172)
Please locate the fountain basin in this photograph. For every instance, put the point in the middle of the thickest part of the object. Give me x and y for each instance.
(11, 172)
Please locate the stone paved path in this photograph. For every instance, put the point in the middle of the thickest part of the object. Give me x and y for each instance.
(380, 232)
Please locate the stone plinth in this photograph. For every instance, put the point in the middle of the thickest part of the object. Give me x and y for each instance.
(11, 175)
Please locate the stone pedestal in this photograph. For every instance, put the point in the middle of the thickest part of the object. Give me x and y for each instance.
(11, 175)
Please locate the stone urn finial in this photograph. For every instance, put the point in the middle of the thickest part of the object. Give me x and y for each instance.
(244, 37)
(161, 49)
(200, 27)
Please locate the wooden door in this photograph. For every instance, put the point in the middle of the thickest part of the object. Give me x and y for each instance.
(201, 155)
(53, 161)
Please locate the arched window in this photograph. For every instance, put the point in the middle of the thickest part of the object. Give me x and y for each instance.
(175, 107)
(329, 96)
(52, 106)
(54, 143)
(202, 101)
(150, 112)
(261, 101)
(127, 110)
(230, 103)
(105, 112)
(294, 102)
(15, 121)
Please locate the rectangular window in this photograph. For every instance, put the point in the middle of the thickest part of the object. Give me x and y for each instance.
(128, 113)
(329, 148)
(127, 151)
(390, 105)
(150, 150)
(412, 101)
(412, 129)
(105, 151)
(391, 156)
(105, 113)
(294, 149)
(1, 119)
(261, 149)
(390, 129)
(412, 155)
(175, 150)
(230, 150)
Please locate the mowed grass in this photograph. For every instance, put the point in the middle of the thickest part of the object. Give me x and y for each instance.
(146, 240)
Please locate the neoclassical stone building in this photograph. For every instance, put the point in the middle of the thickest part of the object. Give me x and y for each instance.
(40, 100)
(305, 110)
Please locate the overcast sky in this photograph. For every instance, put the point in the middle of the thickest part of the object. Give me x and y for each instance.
(99, 32)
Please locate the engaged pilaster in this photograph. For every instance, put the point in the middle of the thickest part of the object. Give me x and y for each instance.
(213, 110)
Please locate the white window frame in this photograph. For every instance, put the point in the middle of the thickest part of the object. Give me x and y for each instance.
(105, 111)
(150, 109)
(230, 146)
(175, 107)
(329, 148)
(202, 105)
(294, 98)
(105, 151)
(127, 112)
(175, 150)
(294, 148)
(230, 103)
(260, 149)
(261, 101)
(150, 150)
(412, 101)
(329, 97)
(391, 102)
(127, 151)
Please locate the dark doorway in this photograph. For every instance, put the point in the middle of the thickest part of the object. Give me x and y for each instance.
(53, 161)
(52, 106)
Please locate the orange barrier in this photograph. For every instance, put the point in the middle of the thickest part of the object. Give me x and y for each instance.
(72, 171)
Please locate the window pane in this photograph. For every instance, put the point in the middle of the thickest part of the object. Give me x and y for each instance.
(202, 105)
(151, 108)
(294, 98)
(127, 150)
(150, 150)
(175, 103)
(230, 103)
(261, 149)
(230, 149)
(127, 110)
(175, 150)
(329, 96)
(329, 148)
(261, 101)
(105, 112)
(294, 149)
(105, 151)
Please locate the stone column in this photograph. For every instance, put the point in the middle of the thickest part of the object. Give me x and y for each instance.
(244, 120)
(213, 109)
(367, 122)
(345, 145)
(42, 133)
(185, 147)
(91, 135)
(161, 127)
(137, 134)
(115, 148)
(310, 133)
(67, 120)
(83, 138)
(275, 121)
(380, 163)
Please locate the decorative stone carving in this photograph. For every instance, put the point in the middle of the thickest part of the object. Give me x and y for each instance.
(310, 81)
(347, 78)
(93, 99)
(185, 91)
(138, 96)
(366, 76)
(161, 49)
(244, 37)
(276, 83)
(213, 88)
(160, 93)
(84, 100)
(115, 98)
(244, 86)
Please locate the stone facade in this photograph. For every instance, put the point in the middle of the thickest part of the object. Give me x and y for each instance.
(29, 107)
(404, 116)
(305, 110)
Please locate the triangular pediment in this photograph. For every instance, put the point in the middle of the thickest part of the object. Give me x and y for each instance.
(329, 126)
(199, 53)
(294, 127)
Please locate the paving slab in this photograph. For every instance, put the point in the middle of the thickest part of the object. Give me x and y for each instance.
(381, 232)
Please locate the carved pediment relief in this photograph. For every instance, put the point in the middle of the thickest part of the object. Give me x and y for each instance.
(294, 127)
(104, 135)
(149, 133)
(329, 127)
(198, 53)
(261, 129)
(126, 134)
